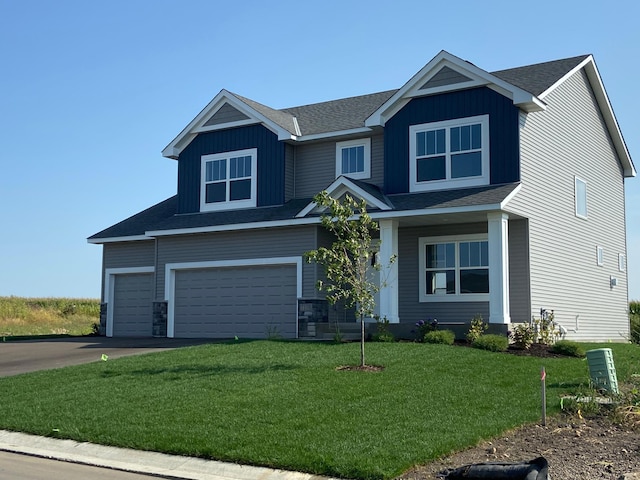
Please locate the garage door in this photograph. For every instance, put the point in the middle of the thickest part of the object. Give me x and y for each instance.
(133, 305)
(248, 302)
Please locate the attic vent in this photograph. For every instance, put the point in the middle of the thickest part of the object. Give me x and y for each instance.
(446, 76)
(226, 114)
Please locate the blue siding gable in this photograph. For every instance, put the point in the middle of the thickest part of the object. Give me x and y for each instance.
(271, 164)
(503, 131)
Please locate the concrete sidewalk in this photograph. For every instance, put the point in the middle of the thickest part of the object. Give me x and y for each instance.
(150, 463)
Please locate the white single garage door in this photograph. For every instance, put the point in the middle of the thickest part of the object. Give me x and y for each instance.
(133, 305)
(248, 302)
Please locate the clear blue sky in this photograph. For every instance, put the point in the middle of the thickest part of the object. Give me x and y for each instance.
(92, 91)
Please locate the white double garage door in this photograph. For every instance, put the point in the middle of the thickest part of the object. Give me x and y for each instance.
(247, 299)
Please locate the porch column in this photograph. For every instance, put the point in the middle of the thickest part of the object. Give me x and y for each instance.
(499, 268)
(388, 272)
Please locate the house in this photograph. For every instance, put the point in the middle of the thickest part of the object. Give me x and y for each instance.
(500, 193)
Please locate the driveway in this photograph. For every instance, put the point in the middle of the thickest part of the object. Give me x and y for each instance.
(31, 355)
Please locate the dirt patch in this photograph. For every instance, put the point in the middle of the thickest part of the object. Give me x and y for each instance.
(360, 368)
(576, 450)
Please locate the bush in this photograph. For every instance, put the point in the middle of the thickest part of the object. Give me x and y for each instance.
(568, 348)
(523, 336)
(383, 334)
(478, 327)
(423, 327)
(445, 337)
(493, 343)
(634, 319)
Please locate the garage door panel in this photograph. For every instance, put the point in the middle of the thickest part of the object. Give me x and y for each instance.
(242, 301)
(133, 305)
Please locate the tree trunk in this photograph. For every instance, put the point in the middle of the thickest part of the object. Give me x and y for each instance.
(361, 340)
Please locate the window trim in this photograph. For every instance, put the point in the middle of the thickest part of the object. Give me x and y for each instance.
(448, 182)
(228, 204)
(622, 262)
(364, 142)
(422, 265)
(600, 256)
(578, 198)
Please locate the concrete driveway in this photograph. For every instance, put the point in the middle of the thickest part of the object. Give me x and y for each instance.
(31, 355)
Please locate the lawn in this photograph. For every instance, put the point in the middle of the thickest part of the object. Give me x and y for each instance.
(284, 404)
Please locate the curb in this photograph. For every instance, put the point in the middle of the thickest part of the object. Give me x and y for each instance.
(139, 461)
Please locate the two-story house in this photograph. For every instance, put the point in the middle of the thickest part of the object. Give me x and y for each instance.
(500, 193)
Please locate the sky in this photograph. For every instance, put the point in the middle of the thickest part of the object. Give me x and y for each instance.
(92, 91)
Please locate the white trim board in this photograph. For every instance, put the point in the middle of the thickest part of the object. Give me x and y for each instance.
(109, 289)
(171, 268)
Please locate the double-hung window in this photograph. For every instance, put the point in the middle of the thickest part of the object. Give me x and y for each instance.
(454, 268)
(228, 180)
(449, 154)
(353, 158)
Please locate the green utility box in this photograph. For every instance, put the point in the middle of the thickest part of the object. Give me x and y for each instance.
(602, 369)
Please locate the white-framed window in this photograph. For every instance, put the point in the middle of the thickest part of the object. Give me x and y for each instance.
(600, 256)
(622, 262)
(449, 154)
(353, 158)
(228, 180)
(454, 268)
(581, 197)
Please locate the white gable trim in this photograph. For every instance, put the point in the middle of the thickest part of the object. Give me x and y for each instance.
(602, 98)
(338, 188)
(479, 77)
(132, 238)
(196, 125)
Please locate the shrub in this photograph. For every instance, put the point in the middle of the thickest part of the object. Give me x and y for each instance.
(523, 336)
(568, 348)
(445, 337)
(425, 326)
(383, 334)
(493, 343)
(634, 319)
(478, 327)
(546, 329)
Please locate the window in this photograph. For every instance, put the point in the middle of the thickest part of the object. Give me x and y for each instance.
(450, 153)
(353, 158)
(454, 268)
(228, 180)
(581, 198)
(622, 262)
(600, 256)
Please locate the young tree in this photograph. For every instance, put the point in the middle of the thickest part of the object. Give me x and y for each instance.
(347, 262)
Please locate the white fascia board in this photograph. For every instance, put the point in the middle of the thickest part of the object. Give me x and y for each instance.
(233, 227)
(340, 186)
(510, 197)
(185, 137)
(606, 110)
(478, 76)
(132, 238)
(339, 133)
(435, 211)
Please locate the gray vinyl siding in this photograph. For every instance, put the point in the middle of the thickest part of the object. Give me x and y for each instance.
(570, 139)
(226, 114)
(276, 242)
(127, 255)
(410, 308)
(519, 288)
(315, 167)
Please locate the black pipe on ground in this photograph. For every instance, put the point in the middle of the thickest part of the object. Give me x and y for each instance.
(536, 469)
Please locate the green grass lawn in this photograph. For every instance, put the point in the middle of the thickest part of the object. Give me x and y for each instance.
(284, 404)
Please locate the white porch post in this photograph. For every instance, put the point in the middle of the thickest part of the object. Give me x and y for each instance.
(499, 268)
(389, 272)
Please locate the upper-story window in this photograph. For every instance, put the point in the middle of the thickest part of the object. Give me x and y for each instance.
(228, 180)
(581, 198)
(449, 154)
(353, 158)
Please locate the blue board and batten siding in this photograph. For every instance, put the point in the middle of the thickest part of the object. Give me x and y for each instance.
(503, 132)
(271, 164)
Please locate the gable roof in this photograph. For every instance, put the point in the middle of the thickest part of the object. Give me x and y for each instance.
(527, 86)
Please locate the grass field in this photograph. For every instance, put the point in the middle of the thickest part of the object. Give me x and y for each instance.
(47, 316)
(284, 404)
